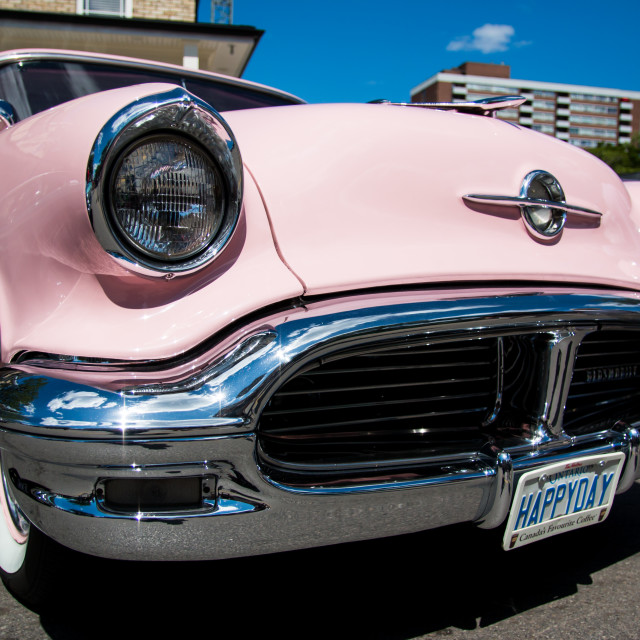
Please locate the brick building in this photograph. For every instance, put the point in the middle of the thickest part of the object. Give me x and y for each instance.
(183, 10)
(163, 30)
(581, 115)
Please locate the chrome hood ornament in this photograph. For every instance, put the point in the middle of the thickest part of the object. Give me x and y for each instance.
(483, 107)
(542, 205)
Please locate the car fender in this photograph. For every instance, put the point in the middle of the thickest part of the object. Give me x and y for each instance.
(61, 293)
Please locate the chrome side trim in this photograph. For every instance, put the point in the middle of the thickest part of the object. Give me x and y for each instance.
(181, 113)
(520, 201)
(544, 217)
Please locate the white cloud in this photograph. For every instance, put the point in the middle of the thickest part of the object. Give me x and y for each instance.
(76, 400)
(488, 38)
(50, 421)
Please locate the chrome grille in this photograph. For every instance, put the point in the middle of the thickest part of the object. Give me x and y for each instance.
(406, 401)
(606, 382)
(377, 407)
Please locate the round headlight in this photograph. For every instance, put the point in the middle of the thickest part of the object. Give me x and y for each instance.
(164, 184)
(167, 198)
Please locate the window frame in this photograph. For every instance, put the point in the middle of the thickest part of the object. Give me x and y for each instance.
(125, 11)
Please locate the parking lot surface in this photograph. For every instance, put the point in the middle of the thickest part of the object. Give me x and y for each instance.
(452, 583)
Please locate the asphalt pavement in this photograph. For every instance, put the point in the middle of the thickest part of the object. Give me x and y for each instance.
(453, 583)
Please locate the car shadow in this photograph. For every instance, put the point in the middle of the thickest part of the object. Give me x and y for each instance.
(395, 588)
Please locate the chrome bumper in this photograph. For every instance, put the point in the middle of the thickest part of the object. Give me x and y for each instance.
(68, 431)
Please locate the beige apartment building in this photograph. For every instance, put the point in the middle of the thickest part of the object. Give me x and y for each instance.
(582, 115)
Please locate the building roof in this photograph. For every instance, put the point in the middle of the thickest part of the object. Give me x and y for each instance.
(220, 48)
(513, 83)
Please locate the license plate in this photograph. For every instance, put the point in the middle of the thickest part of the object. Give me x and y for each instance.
(560, 497)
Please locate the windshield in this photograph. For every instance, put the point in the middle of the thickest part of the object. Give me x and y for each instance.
(35, 85)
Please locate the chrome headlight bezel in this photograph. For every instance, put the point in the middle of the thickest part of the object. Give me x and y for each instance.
(177, 114)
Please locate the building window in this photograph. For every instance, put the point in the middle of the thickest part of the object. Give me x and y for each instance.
(507, 114)
(587, 144)
(491, 88)
(601, 120)
(477, 96)
(543, 128)
(214, 11)
(544, 116)
(118, 8)
(592, 98)
(544, 104)
(593, 108)
(480, 96)
(593, 131)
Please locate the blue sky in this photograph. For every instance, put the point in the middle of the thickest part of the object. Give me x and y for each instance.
(358, 50)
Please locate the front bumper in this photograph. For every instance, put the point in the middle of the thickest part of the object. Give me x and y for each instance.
(68, 431)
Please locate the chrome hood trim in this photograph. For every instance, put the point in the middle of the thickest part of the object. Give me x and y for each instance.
(483, 107)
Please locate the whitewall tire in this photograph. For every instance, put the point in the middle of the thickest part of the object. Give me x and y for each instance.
(14, 530)
(27, 557)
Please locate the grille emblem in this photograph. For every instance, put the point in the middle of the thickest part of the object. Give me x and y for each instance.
(612, 373)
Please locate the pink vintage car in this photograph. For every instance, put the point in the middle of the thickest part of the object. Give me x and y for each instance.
(378, 319)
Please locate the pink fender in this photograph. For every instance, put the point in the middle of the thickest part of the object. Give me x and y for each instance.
(61, 293)
(633, 187)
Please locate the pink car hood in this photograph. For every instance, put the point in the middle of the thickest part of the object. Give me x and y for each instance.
(355, 196)
(371, 195)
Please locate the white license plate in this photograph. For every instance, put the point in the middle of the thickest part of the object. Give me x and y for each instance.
(560, 497)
